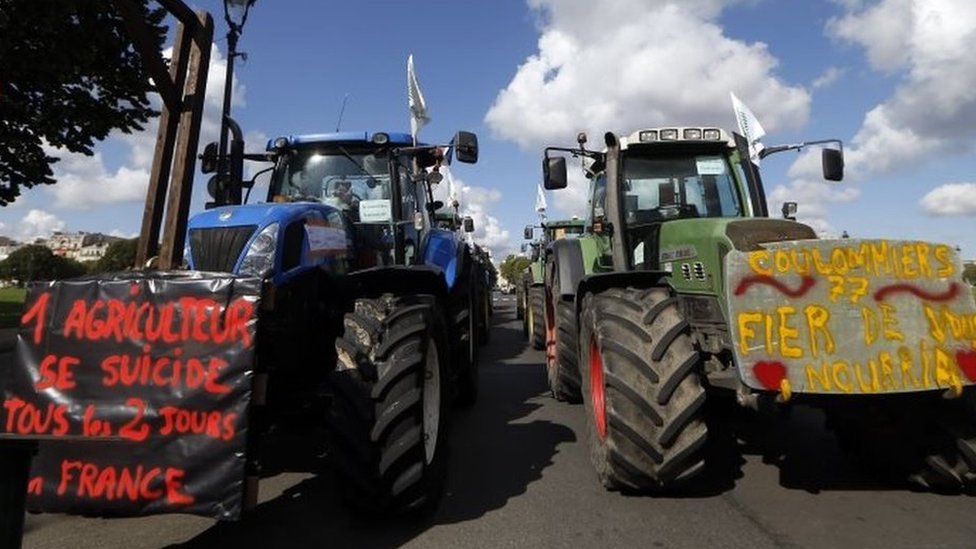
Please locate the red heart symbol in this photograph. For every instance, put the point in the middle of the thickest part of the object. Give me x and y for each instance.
(769, 374)
(967, 363)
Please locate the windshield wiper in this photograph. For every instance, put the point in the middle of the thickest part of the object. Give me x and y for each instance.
(354, 161)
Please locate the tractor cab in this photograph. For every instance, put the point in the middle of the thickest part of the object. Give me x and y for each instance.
(363, 176)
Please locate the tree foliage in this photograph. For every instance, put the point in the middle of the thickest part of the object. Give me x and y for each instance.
(512, 266)
(69, 75)
(36, 262)
(119, 256)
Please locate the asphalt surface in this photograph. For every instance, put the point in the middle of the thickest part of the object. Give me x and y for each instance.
(520, 477)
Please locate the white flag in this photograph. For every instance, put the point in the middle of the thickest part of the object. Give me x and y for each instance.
(540, 200)
(415, 99)
(749, 127)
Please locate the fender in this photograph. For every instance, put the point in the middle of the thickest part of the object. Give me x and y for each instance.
(537, 273)
(441, 250)
(598, 282)
(400, 280)
(567, 259)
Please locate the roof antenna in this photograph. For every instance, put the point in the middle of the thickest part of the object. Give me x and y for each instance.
(342, 109)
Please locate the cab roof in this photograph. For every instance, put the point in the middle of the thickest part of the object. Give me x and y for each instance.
(363, 138)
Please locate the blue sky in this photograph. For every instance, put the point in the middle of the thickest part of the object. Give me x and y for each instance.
(893, 79)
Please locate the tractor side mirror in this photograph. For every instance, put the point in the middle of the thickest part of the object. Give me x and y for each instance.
(468, 225)
(554, 173)
(527, 232)
(466, 147)
(833, 164)
(789, 210)
(208, 160)
(217, 189)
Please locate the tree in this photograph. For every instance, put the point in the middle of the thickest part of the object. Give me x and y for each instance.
(119, 256)
(512, 266)
(36, 262)
(69, 75)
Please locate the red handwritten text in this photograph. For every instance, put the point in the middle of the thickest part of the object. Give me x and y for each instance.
(25, 418)
(187, 319)
(87, 480)
(145, 370)
(211, 423)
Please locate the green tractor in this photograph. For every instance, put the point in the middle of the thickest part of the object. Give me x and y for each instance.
(683, 287)
(531, 287)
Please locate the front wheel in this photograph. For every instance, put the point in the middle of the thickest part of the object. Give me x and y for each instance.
(643, 398)
(562, 364)
(388, 422)
(536, 315)
(468, 334)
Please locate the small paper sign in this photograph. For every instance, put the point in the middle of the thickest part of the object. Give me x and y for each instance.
(374, 211)
(324, 239)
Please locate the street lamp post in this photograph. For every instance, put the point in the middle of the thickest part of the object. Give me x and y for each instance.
(235, 13)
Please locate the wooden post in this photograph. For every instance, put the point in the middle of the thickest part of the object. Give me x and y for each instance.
(152, 216)
(15, 459)
(182, 90)
(187, 141)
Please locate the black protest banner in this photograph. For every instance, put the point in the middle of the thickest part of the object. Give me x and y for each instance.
(137, 386)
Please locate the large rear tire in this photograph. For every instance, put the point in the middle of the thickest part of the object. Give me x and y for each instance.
(643, 398)
(562, 363)
(536, 314)
(924, 439)
(388, 423)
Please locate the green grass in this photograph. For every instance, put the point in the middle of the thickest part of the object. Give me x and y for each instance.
(11, 303)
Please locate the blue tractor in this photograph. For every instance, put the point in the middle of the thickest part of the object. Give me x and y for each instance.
(368, 328)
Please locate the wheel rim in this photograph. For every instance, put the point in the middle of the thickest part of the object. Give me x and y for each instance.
(432, 402)
(530, 316)
(598, 390)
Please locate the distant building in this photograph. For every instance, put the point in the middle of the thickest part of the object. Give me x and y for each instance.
(80, 246)
(7, 249)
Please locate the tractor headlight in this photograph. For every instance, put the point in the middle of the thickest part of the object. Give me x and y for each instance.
(260, 256)
(647, 135)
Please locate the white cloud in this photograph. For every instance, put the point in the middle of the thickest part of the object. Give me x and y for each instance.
(37, 224)
(953, 199)
(122, 234)
(813, 198)
(933, 109)
(474, 202)
(664, 62)
(828, 78)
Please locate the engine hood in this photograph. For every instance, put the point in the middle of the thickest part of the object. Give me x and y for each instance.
(259, 215)
(748, 234)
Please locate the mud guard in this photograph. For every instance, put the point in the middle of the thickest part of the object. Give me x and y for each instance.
(400, 280)
(567, 257)
(596, 283)
(442, 250)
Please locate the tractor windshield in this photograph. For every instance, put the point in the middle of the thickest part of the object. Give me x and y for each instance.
(351, 179)
(555, 233)
(660, 188)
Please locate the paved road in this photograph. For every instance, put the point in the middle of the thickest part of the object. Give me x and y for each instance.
(521, 478)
